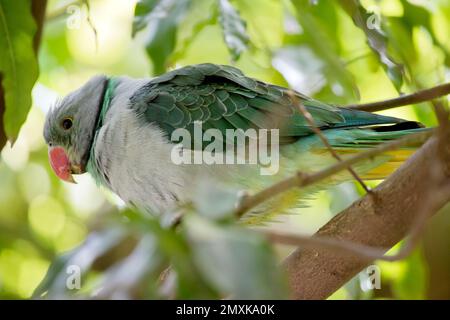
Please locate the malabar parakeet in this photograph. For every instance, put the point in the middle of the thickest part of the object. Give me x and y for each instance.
(120, 131)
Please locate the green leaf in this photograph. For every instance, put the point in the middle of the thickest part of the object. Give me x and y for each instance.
(145, 261)
(190, 283)
(97, 244)
(215, 202)
(318, 32)
(416, 15)
(233, 28)
(162, 18)
(18, 64)
(376, 38)
(193, 25)
(237, 261)
(142, 14)
(412, 284)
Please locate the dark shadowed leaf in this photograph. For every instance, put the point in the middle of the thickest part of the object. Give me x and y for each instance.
(371, 25)
(237, 261)
(145, 261)
(183, 280)
(233, 28)
(189, 282)
(18, 64)
(416, 15)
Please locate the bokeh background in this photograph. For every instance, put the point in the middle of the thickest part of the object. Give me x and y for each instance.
(313, 46)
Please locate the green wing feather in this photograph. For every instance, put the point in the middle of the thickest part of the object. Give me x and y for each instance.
(222, 97)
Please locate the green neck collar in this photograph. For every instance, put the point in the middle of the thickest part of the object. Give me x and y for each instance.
(111, 84)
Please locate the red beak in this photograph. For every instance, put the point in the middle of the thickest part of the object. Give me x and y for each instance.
(60, 163)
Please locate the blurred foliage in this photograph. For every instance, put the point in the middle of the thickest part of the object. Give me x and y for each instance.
(337, 51)
(125, 259)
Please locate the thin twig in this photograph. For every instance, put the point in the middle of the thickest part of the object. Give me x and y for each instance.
(304, 179)
(416, 97)
(91, 24)
(61, 11)
(309, 118)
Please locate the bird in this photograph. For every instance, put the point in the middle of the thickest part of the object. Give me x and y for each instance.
(120, 130)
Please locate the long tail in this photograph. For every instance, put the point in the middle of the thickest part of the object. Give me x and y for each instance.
(352, 141)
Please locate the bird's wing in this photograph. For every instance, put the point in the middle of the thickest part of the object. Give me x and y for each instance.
(221, 97)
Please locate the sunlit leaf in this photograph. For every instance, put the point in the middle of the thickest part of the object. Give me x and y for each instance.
(412, 283)
(18, 65)
(301, 67)
(376, 38)
(194, 23)
(318, 25)
(234, 29)
(416, 15)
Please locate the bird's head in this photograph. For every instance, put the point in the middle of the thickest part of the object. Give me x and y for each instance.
(70, 128)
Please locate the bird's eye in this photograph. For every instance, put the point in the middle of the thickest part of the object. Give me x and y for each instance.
(67, 123)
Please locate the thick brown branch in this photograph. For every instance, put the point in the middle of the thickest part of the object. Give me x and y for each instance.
(407, 99)
(364, 251)
(380, 220)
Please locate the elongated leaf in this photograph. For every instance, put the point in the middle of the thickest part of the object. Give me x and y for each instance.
(319, 33)
(233, 28)
(142, 14)
(416, 15)
(18, 64)
(376, 38)
(145, 261)
(194, 23)
(162, 18)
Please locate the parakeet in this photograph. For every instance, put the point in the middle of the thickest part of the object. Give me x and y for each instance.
(120, 131)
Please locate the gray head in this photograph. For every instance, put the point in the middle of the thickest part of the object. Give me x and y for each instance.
(70, 127)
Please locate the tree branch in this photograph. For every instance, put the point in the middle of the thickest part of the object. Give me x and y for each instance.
(407, 99)
(364, 251)
(380, 220)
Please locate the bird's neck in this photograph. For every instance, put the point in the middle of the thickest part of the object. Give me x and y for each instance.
(108, 95)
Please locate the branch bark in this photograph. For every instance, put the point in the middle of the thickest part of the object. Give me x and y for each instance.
(380, 219)
(407, 99)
